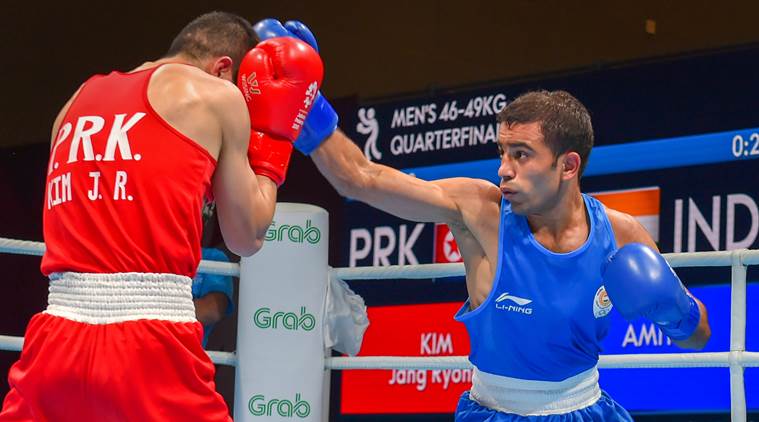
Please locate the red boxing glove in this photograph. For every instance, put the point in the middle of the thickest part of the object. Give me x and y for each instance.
(279, 79)
(269, 156)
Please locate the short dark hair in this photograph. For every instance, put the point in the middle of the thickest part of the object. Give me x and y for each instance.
(214, 34)
(564, 121)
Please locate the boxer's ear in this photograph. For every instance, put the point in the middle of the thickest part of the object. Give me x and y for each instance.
(222, 67)
(570, 165)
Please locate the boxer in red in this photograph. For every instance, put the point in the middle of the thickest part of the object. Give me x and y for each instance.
(132, 156)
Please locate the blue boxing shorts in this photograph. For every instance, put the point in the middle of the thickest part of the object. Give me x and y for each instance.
(603, 410)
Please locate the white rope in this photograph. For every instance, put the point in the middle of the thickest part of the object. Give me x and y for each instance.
(15, 344)
(223, 358)
(666, 360)
(397, 362)
(399, 271)
(21, 247)
(27, 247)
(219, 268)
(677, 360)
(11, 343)
(688, 259)
(712, 259)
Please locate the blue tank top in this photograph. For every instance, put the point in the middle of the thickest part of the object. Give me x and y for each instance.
(546, 314)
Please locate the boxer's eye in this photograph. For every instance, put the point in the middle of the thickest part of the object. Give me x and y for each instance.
(518, 155)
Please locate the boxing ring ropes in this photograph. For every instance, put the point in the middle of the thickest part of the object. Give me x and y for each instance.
(737, 358)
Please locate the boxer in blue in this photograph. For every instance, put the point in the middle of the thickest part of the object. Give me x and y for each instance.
(540, 256)
(212, 294)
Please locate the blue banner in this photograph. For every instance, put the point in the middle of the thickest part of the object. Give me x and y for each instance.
(709, 148)
(680, 389)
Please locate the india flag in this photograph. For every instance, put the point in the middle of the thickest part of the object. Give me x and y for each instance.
(641, 203)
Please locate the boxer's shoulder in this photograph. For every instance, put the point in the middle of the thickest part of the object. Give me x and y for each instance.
(475, 199)
(478, 202)
(627, 229)
(187, 96)
(470, 190)
(619, 220)
(189, 83)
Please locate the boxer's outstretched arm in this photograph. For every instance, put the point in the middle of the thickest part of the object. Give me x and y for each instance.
(245, 202)
(628, 230)
(395, 192)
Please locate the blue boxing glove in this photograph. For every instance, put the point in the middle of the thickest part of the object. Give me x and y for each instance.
(640, 283)
(322, 120)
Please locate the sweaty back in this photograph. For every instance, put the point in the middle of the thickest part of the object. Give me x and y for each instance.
(124, 189)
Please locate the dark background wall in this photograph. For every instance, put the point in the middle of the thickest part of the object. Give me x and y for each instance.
(370, 48)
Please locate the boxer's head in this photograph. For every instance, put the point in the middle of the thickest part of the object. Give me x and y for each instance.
(544, 140)
(215, 42)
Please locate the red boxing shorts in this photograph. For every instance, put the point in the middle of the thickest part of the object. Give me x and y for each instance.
(115, 347)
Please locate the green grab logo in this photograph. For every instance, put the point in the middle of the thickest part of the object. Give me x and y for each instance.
(259, 406)
(293, 233)
(263, 318)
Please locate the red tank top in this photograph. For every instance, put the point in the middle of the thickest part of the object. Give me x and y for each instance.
(124, 189)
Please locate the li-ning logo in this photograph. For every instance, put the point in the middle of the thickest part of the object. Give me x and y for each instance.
(250, 86)
(263, 318)
(308, 101)
(259, 406)
(294, 233)
(519, 307)
(368, 125)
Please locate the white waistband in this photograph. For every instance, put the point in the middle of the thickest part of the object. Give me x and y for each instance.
(528, 397)
(119, 297)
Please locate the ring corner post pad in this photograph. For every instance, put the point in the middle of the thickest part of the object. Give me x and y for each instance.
(280, 339)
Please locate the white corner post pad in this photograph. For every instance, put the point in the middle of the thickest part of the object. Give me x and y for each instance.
(280, 338)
